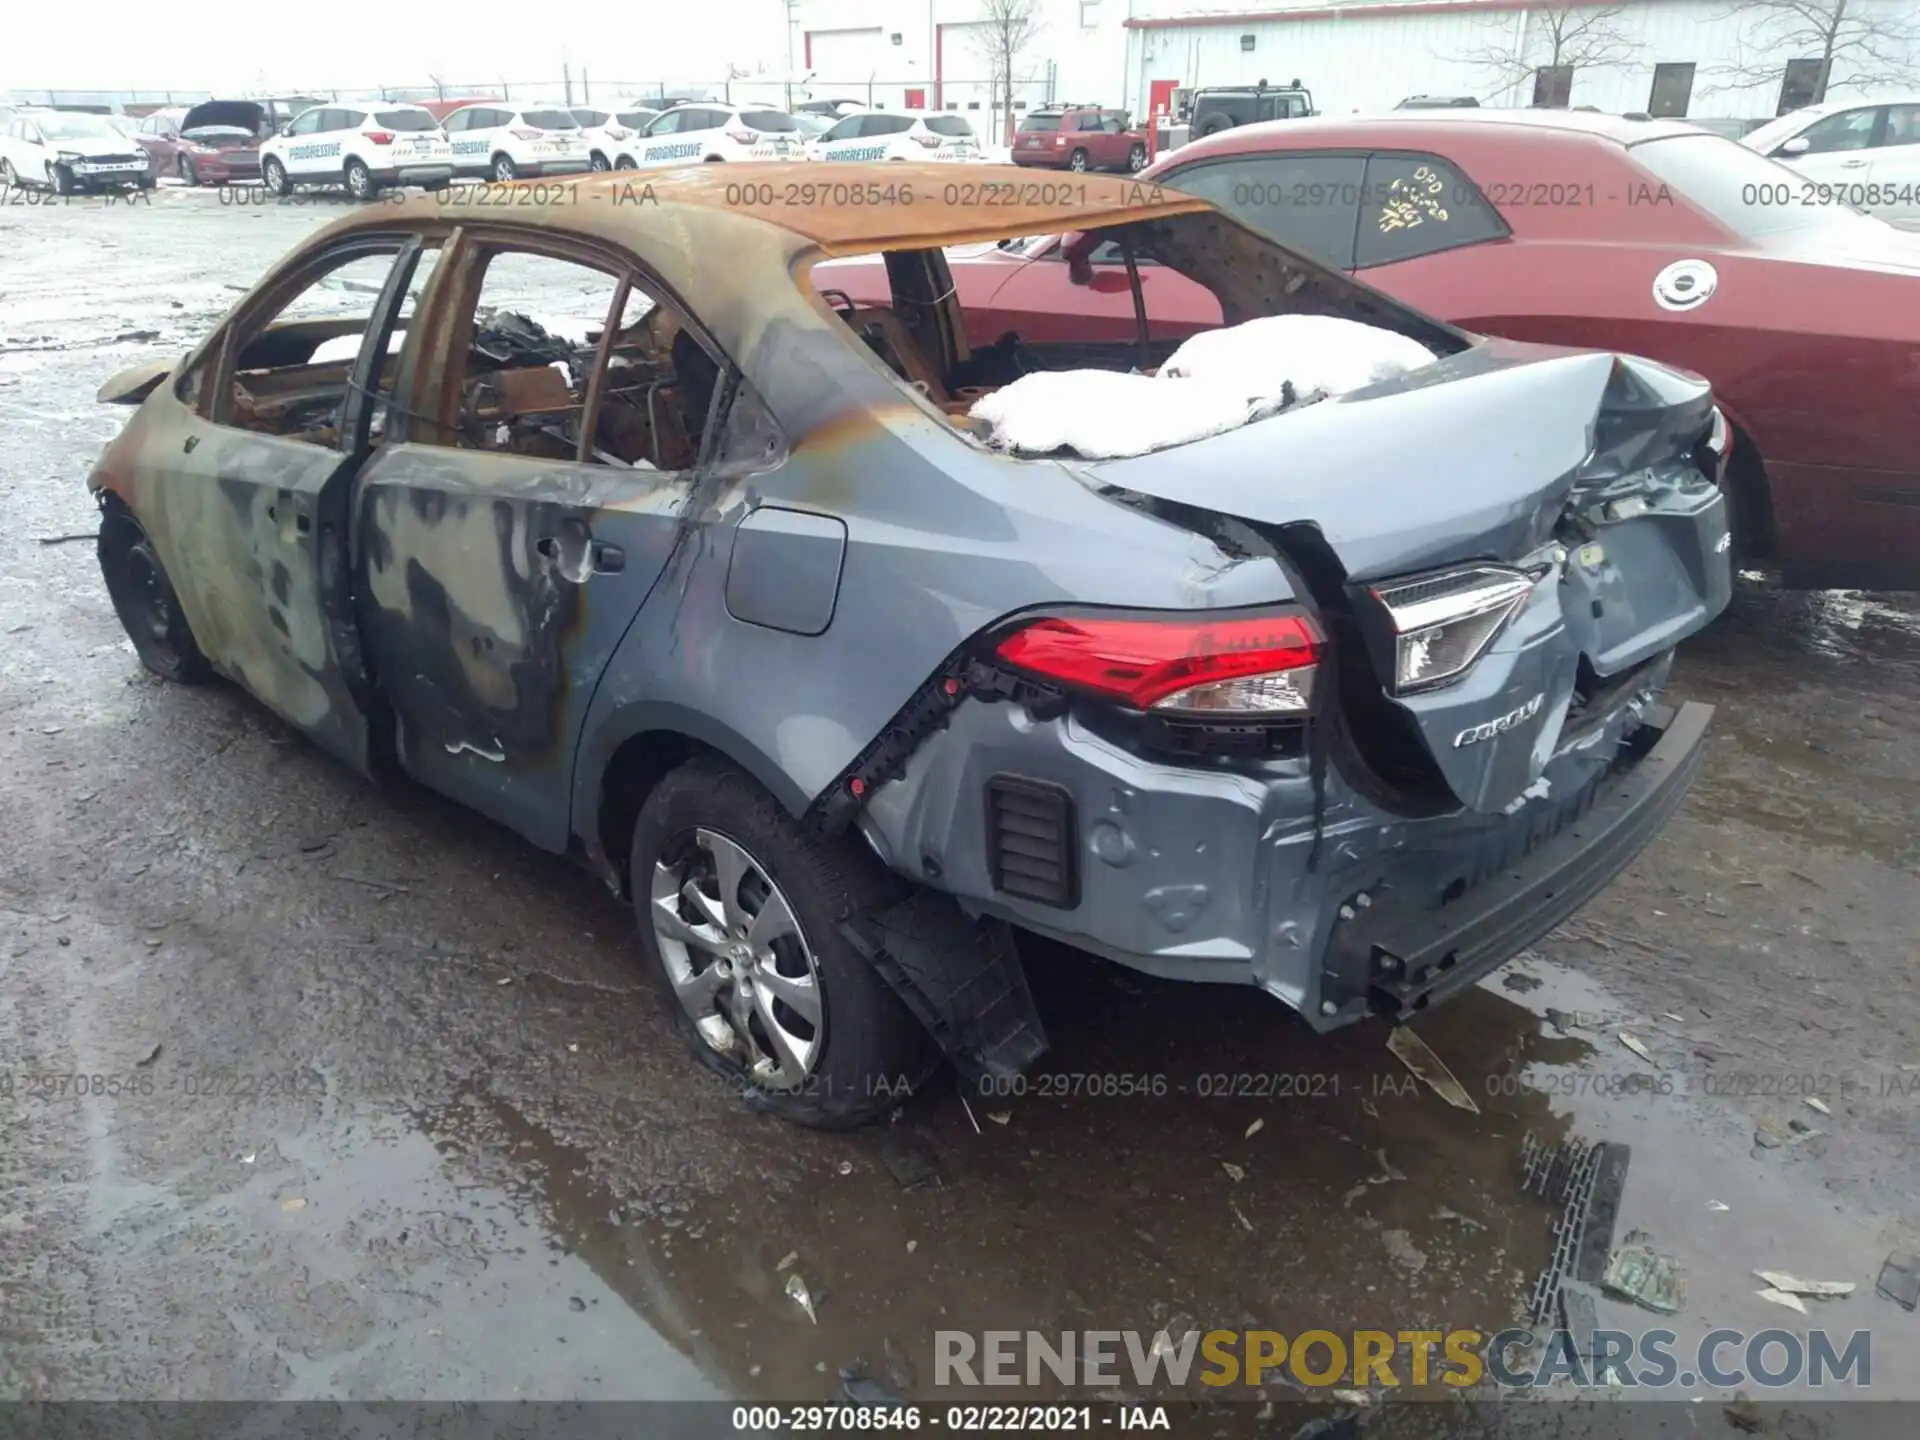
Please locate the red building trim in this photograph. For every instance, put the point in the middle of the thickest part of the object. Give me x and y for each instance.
(1342, 12)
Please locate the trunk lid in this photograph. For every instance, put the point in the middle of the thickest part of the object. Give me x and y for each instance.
(1574, 478)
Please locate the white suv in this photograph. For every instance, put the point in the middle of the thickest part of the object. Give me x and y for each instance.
(897, 135)
(607, 134)
(504, 142)
(701, 131)
(363, 147)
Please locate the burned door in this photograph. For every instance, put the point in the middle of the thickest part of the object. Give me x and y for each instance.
(503, 549)
(252, 518)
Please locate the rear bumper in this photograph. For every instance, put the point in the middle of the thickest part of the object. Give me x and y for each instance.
(1042, 159)
(1410, 958)
(1227, 876)
(428, 175)
(579, 166)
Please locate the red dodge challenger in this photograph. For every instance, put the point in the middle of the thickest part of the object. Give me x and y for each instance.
(1650, 237)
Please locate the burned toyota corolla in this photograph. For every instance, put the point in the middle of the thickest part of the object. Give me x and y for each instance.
(1318, 652)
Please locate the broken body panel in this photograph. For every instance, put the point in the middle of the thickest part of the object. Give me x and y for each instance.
(810, 597)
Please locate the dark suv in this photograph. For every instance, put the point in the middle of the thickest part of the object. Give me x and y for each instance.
(1080, 137)
(1223, 107)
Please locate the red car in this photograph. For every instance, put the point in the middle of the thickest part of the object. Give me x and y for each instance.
(1649, 237)
(216, 141)
(1080, 138)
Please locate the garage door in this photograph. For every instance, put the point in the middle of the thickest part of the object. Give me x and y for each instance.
(847, 57)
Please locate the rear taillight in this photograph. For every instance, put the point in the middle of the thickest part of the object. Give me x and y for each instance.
(932, 142)
(526, 134)
(1059, 140)
(1247, 665)
(1444, 623)
(380, 137)
(742, 137)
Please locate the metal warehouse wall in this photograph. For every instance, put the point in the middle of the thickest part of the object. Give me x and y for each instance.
(1368, 58)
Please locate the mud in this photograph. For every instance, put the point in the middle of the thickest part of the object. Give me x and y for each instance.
(396, 1114)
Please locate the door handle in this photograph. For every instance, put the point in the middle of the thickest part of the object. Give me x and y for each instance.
(192, 442)
(1851, 164)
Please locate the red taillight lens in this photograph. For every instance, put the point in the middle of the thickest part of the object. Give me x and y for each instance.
(742, 137)
(526, 134)
(932, 142)
(1246, 664)
(380, 137)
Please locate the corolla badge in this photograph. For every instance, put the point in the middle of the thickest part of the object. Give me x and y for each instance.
(1474, 734)
(1684, 284)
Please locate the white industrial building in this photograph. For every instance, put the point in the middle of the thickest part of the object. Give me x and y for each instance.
(1698, 57)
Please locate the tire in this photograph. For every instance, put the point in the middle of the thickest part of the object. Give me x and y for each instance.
(601, 164)
(60, 180)
(1077, 161)
(360, 182)
(274, 176)
(503, 168)
(867, 1051)
(1136, 159)
(625, 162)
(188, 174)
(1214, 126)
(144, 599)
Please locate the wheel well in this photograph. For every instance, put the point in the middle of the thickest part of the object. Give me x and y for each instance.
(498, 156)
(117, 520)
(641, 762)
(1758, 537)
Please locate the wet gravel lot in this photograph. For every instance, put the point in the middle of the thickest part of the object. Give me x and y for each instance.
(402, 1117)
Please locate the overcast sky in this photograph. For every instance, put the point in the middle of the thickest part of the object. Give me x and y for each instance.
(270, 45)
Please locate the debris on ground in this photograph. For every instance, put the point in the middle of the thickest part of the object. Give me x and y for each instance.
(1780, 1280)
(293, 1202)
(1743, 1414)
(845, 1167)
(1815, 1103)
(152, 1055)
(910, 1163)
(969, 1109)
(1417, 1056)
(1247, 1224)
(1254, 1129)
(1234, 1172)
(1900, 1279)
(1637, 1047)
(1000, 1117)
(1403, 1252)
(68, 539)
(1782, 1297)
(787, 1261)
(797, 1288)
(1638, 1272)
(1716, 1205)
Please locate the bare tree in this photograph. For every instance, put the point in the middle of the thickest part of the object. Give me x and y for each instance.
(1578, 37)
(1006, 28)
(1857, 43)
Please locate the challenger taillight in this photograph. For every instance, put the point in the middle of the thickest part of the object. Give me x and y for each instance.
(1243, 665)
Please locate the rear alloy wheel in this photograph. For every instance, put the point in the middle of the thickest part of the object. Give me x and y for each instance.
(503, 168)
(625, 162)
(188, 175)
(274, 174)
(144, 600)
(739, 909)
(1136, 159)
(360, 182)
(1077, 161)
(600, 163)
